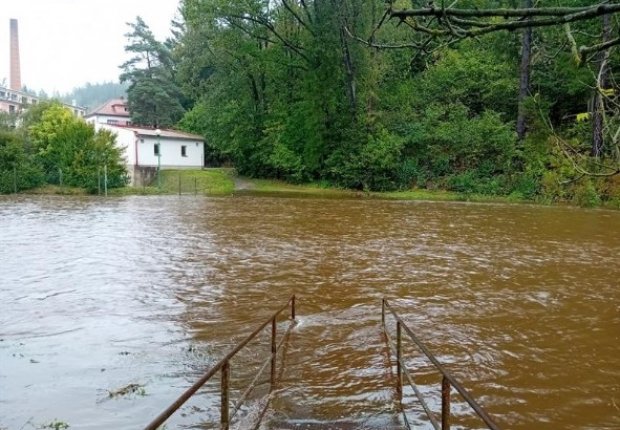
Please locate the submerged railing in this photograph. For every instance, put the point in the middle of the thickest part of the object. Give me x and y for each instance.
(224, 366)
(448, 381)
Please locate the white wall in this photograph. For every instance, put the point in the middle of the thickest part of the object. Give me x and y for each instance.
(144, 146)
(170, 152)
(103, 119)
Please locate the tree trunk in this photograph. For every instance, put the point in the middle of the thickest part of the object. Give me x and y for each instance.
(524, 76)
(598, 102)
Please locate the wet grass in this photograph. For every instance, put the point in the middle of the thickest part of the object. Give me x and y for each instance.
(224, 182)
(270, 186)
(442, 195)
(275, 188)
(211, 182)
(57, 190)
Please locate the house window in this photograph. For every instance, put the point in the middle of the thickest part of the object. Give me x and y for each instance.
(183, 151)
(11, 108)
(112, 121)
(156, 149)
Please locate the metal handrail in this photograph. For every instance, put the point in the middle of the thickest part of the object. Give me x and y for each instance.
(224, 366)
(447, 382)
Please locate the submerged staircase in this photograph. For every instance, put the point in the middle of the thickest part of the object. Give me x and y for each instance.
(266, 418)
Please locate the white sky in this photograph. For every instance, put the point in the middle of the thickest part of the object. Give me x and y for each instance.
(66, 43)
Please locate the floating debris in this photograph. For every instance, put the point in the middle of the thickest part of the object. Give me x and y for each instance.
(136, 389)
(55, 425)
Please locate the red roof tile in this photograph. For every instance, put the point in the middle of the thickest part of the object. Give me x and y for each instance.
(114, 107)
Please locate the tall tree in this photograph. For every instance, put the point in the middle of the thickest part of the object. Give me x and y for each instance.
(524, 76)
(598, 102)
(153, 96)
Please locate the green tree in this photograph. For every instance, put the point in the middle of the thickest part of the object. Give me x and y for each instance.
(70, 150)
(18, 171)
(153, 97)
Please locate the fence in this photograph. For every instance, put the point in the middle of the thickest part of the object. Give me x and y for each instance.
(447, 382)
(16, 178)
(224, 366)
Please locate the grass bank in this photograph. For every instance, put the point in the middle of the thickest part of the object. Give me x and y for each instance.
(274, 187)
(211, 182)
(224, 182)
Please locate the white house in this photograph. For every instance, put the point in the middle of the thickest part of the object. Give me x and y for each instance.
(112, 112)
(147, 149)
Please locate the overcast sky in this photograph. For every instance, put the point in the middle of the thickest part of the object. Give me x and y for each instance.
(66, 43)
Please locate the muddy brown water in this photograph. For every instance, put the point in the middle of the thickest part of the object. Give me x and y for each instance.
(522, 303)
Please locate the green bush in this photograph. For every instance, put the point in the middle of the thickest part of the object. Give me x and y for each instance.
(586, 195)
(17, 169)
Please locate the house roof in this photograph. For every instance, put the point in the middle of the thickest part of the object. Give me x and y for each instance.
(114, 107)
(166, 133)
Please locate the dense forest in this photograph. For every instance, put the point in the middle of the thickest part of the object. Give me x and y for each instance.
(372, 95)
(496, 97)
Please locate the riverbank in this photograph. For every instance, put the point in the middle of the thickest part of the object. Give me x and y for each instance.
(225, 182)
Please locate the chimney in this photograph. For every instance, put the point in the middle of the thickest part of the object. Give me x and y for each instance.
(16, 80)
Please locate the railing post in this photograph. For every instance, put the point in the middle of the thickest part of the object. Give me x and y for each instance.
(399, 355)
(445, 404)
(293, 308)
(383, 312)
(273, 354)
(225, 396)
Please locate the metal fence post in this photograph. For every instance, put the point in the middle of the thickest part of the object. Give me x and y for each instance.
(273, 354)
(399, 355)
(445, 404)
(383, 313)
(179, 182)
(224, 418)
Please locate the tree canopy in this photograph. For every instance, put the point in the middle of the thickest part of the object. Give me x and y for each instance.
(50, 145)
(484, 96)
(153, 96)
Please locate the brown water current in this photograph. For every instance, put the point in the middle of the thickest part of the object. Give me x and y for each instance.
(521, 303)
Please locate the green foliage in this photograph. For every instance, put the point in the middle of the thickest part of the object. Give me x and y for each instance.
(70, 151)
(153, 97)
(286, 93)
(18, 171)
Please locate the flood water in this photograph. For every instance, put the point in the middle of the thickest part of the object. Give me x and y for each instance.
(522, 303)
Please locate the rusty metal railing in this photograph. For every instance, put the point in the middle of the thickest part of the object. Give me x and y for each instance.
(447, 382)
(224, 367)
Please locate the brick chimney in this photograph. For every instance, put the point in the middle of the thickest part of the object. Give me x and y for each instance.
(16, 79)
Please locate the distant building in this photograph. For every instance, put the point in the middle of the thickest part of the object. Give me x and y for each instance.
(146, 149)
(112, 112)
(14, 101)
